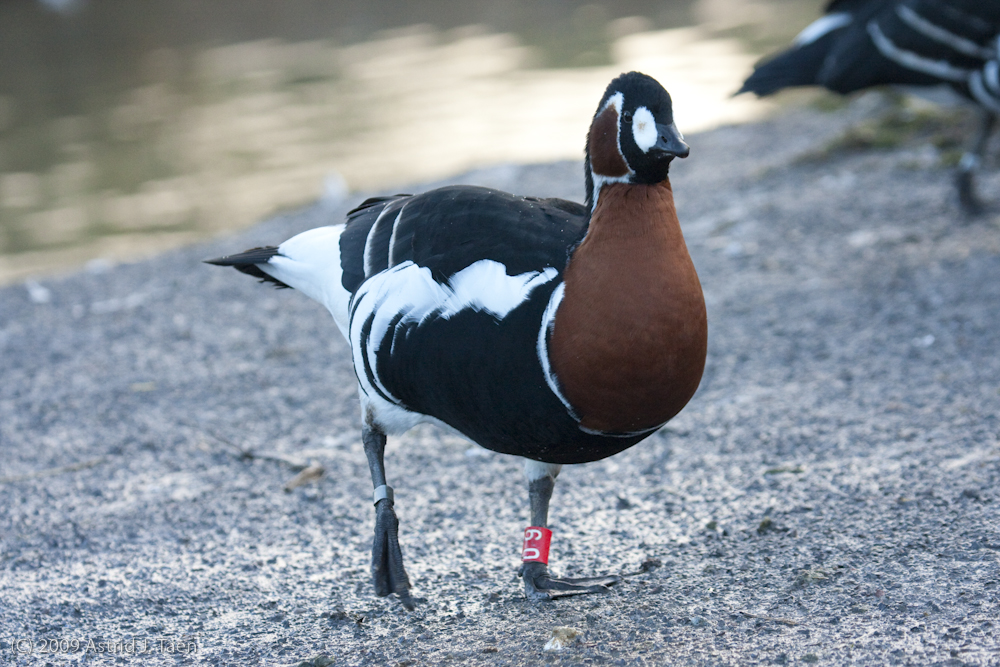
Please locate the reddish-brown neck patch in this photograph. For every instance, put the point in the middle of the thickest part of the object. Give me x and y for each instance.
(602, 144)
(630, 336)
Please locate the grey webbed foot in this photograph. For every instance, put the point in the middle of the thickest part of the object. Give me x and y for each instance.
(387, 558)
(538, 585)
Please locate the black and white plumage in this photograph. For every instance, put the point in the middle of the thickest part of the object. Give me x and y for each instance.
(547, 329)
(858, 44)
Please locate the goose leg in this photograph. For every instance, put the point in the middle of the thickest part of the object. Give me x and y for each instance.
(387, 558)
(969, 164)
(538, 585)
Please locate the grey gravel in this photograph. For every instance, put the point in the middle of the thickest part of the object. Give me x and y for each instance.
(830, 496)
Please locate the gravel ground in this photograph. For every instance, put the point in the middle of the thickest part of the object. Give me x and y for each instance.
(830, 495)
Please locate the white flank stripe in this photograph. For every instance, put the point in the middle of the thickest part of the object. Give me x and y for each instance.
(542, 347)
(362, 312)
(910, 60)
(939, 34)
(822, 26)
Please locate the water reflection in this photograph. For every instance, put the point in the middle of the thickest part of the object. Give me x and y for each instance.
(125, 147)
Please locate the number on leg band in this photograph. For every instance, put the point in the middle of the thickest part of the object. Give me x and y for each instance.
(536, 545)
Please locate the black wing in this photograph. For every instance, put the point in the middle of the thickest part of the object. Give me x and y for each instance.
(453, 227)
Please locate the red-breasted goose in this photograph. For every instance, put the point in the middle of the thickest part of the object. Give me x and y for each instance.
(555, 331)
(857, 44)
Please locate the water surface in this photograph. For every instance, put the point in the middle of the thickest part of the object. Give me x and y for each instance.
(130, 126)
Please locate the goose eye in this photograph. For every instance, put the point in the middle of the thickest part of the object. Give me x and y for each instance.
(627, 116)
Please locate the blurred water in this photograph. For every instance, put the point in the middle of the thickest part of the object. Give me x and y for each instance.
(130, 126)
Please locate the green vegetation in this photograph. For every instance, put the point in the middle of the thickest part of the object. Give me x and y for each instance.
(905, 121)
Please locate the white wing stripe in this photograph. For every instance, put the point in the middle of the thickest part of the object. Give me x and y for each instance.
(411, 291)
(822, 26)
(370, 242)
(392, 238)
(939, 34)
(910, 60)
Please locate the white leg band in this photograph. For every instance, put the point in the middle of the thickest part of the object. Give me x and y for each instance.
(383, 492)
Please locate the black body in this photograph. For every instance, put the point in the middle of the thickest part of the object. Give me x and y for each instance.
(478, 374)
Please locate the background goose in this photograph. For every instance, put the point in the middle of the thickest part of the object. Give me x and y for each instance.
(862, 43)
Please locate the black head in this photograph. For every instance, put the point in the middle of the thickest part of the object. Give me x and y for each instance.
(632, 138)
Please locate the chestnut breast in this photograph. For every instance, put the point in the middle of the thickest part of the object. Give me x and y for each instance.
(629, 340)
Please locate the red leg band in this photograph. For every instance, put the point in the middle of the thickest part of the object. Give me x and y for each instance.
(536, 545)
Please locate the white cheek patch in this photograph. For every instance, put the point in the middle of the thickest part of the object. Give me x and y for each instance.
(643, 129)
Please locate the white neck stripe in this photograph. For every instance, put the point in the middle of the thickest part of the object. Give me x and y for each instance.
(601, 181)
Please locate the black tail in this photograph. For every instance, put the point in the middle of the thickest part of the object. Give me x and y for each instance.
(798, 66)
(247, 262)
